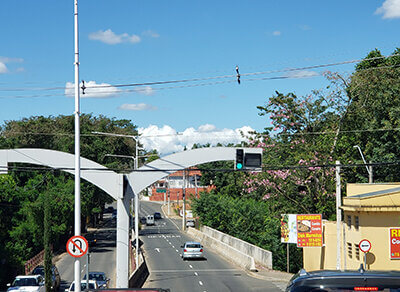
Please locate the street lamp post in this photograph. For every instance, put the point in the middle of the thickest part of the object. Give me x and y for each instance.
(77, 264)
(135, 138)
(369, 169)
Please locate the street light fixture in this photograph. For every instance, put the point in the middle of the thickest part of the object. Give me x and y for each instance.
(369, 170)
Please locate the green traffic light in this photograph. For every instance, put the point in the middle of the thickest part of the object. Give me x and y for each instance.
(239, 166)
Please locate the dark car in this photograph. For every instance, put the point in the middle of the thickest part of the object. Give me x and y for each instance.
(157, 215)
(100, 278)
(55, 277)
(91, 238)
(143, 220)
(347, 280)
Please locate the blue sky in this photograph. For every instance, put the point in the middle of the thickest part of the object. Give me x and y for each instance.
(127, 41)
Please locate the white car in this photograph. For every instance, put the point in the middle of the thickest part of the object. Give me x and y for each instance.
(192, 250)
(149, 220)
(190, 223)
(92, 286)
(31, 283)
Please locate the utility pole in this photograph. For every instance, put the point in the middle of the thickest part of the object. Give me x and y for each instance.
(77, 265)
(338, 216)
(184, 200)
(169, 196)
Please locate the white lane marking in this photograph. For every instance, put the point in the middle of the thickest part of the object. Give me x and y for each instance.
(177, 250)
(180, 255)
(190, 266)
(173, 246)
(157, 249)
(195, 273)
(201, 283)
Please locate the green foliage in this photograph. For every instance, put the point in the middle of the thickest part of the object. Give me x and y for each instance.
(24, 193)
(249, 220)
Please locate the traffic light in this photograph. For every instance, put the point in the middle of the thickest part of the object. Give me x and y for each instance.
(249, 159)
(239, 163)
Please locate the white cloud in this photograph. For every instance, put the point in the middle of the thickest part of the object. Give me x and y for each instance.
(111, 38)
(276, 33)
(302, 74)
(389, 9)
(5, 60)
(145, 90)
(166, 140)
(3, 68)
(103, 90)
(11, 60)
(151, 33)
(137, 107)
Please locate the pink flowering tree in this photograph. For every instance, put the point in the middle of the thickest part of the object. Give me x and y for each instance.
(299, 141)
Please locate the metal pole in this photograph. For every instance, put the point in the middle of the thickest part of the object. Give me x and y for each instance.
(169, 196)
(184, 200)
(370, 174)
(287, 257)
(195, 185)
(338, 216)
(137, 229)
(77, 265)
(87, 271)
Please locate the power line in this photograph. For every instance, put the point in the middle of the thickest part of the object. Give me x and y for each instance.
(233, 76)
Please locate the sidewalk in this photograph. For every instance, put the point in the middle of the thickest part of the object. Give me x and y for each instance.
(279, 278)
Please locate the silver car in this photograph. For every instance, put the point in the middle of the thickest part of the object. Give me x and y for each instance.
(192, 250)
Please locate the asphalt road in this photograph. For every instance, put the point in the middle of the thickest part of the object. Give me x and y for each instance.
(102, 256)
(162, 250)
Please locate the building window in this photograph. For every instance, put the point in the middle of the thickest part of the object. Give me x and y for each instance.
(349, 221)
(357, 251)
(349, 250)
(356, 222)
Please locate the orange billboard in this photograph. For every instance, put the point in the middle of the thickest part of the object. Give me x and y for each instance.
(309, 230)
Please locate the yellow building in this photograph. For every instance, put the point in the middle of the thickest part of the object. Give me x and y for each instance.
(369, 211)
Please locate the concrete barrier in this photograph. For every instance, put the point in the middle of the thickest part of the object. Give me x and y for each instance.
(230, 253)
(139, 276)
(261, 256)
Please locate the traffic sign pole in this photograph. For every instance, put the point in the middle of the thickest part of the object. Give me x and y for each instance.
(365, 247)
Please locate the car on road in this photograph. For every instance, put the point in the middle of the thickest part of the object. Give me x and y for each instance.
(91, 239)
(192, 250)
(157, 215)
(55, 276)
(190, 223)
(92, 285)
(109, 209)
(100, 278)
(143, 220)
(31, 283)
(150, 220)
(114, 214)
(345, 280)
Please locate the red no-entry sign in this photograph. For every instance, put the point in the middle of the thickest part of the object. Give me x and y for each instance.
(77, 246)
(365, 245)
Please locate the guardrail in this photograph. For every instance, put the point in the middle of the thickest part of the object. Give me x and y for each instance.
(261, 256)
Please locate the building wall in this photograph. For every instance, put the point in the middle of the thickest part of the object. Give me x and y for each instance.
(318, 258)
(373, 226)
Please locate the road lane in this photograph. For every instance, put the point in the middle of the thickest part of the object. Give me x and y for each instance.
(162, 247)
(102, 256)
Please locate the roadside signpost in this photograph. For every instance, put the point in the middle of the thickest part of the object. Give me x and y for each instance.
(77, 246)
(365, 247)
(309, 230)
